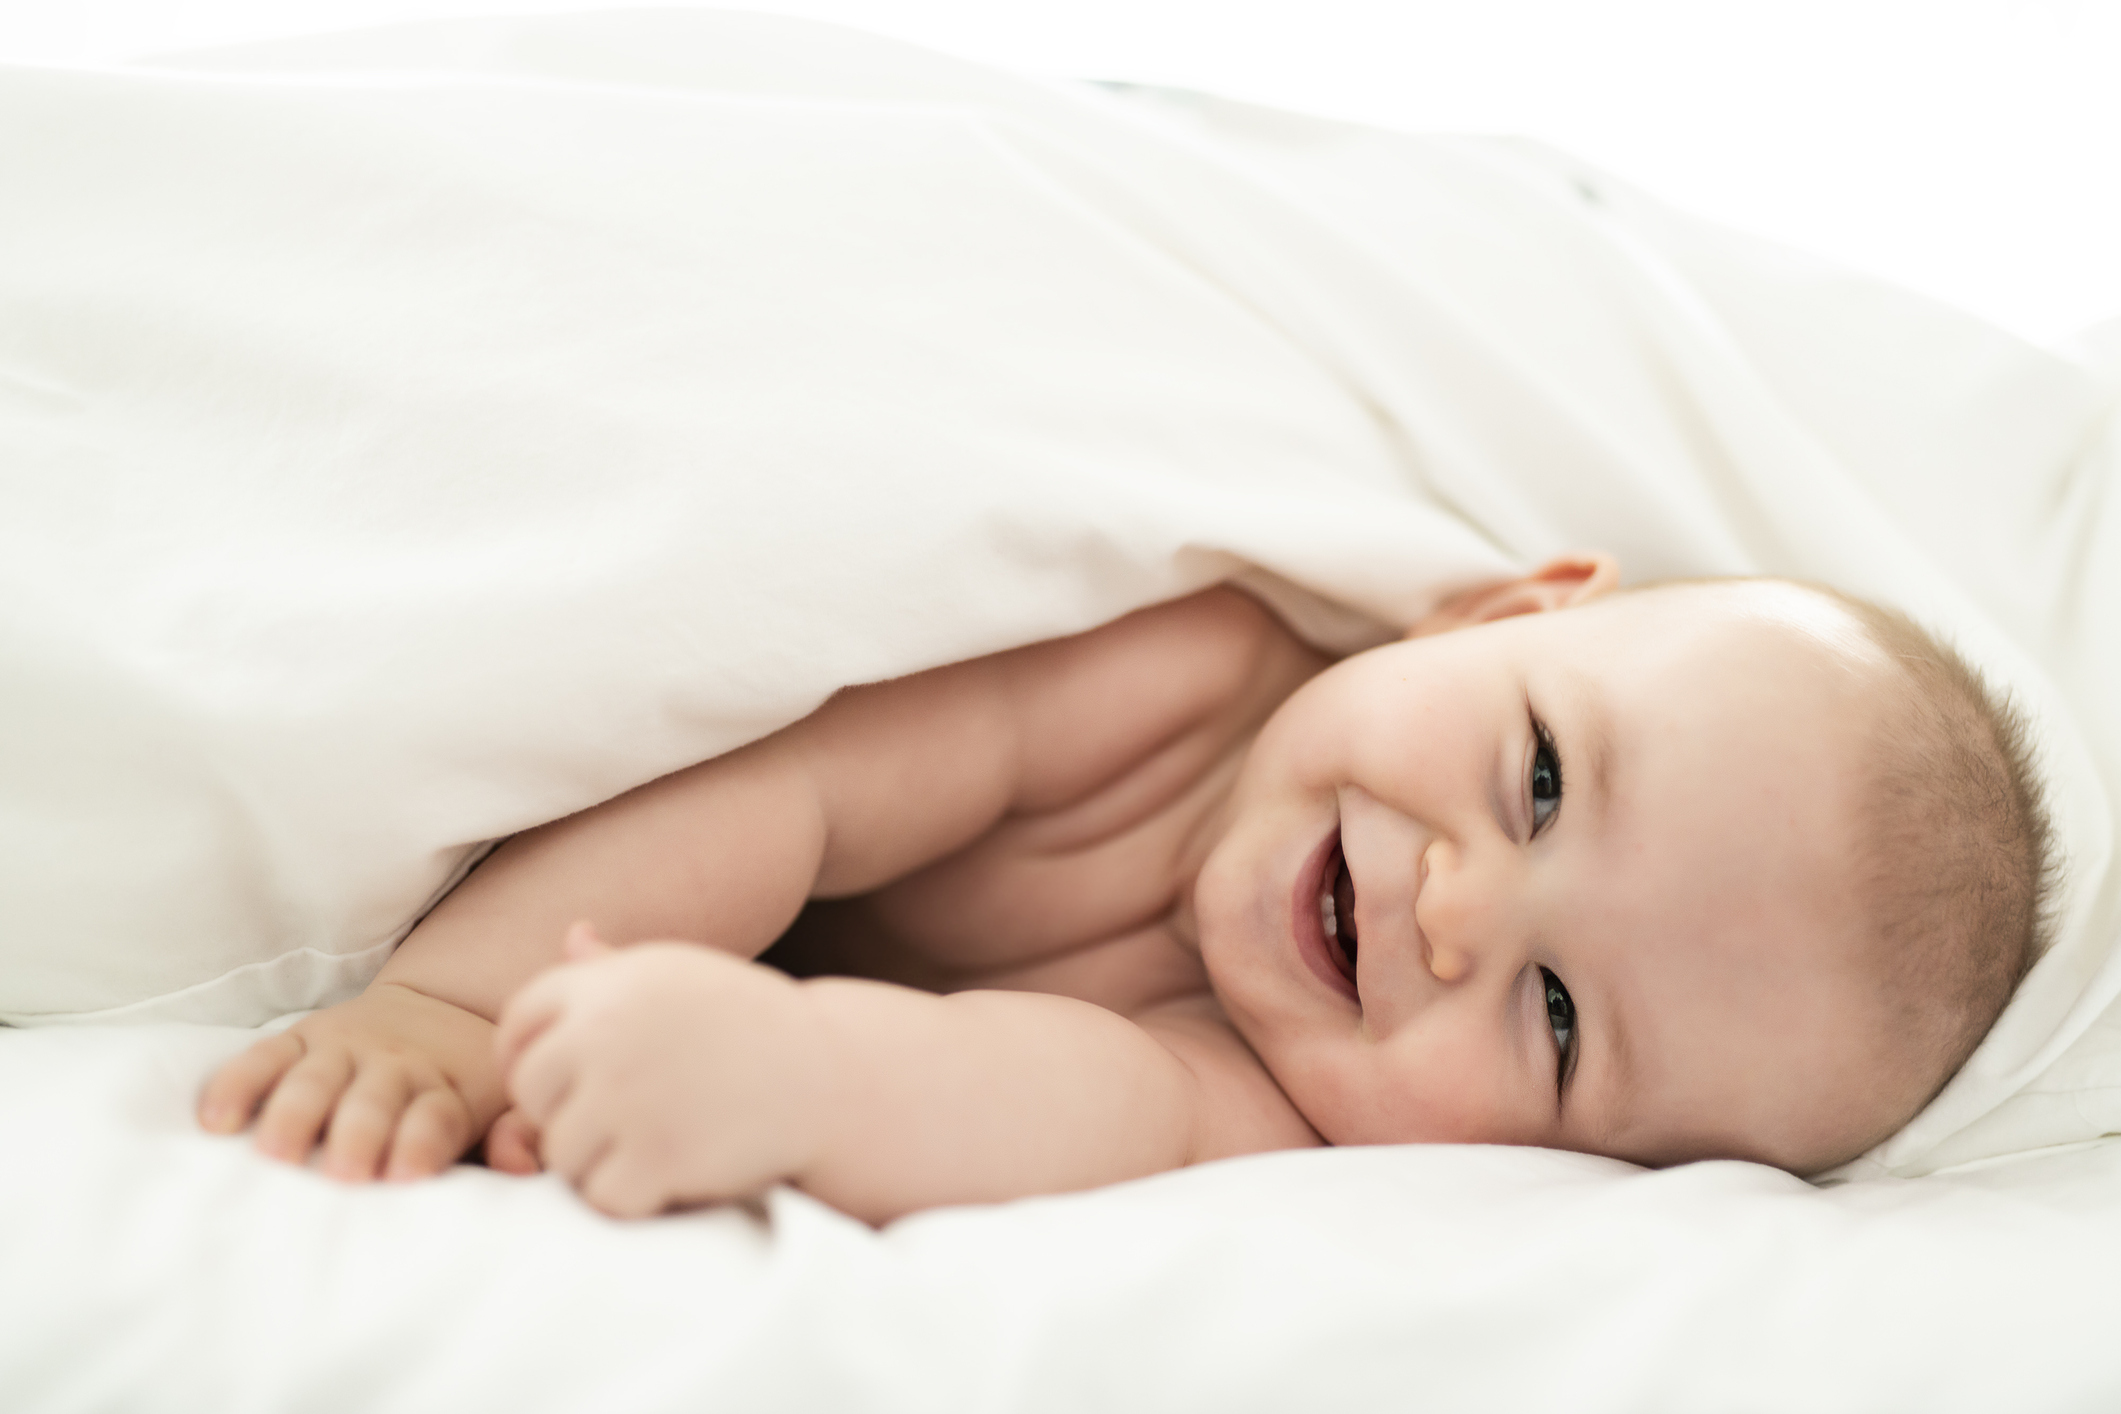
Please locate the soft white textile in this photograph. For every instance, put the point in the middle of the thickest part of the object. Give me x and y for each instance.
(405, 438)
(151, 1268)
(412, 436)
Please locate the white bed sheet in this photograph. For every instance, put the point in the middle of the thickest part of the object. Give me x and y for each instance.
(149, 1267)
(1498, 352)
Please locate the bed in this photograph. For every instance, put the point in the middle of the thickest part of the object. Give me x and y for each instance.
(414, 435)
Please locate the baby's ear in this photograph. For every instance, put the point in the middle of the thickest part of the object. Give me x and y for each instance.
(1560, 583)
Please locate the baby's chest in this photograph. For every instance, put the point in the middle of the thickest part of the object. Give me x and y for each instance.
(1077, 902)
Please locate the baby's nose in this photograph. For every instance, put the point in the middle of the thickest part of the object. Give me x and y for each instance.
(1438, 913)
(1448, 964)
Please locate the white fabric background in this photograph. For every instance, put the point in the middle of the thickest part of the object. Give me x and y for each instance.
(152, 1269)
(419, 434)
(391, 464)
(1966, 148)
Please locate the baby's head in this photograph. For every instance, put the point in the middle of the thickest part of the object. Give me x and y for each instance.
(1724, 868)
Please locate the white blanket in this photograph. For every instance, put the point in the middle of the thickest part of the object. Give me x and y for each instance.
(410, 437)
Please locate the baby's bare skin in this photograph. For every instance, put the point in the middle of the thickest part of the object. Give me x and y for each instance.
(1066, 915)
(1073, 891)
(1027, 822)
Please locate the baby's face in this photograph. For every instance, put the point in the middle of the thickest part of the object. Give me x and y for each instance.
(1590, 872)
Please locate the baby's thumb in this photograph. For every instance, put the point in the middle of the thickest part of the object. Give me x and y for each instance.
(582, 942)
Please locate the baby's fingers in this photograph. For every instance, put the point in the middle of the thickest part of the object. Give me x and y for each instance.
(527, 1015)
(232, 1096)
(434, 1130)
(621, 1188)
(512, 1145)
(363, 1120)
(583, 943)
(540, 1078)
(575, 1142)
(300, 1103)
(539, 1003)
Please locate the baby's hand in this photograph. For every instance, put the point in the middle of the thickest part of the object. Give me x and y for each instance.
(397, 1083)
(664, 1074)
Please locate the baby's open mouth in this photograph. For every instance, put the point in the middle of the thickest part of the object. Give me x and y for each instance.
(1336, 914)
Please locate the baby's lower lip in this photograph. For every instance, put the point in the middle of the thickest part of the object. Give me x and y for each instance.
(1308, 927)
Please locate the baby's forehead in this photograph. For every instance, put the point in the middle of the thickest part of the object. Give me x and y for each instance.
(1797, 1071)
(1757, 1024)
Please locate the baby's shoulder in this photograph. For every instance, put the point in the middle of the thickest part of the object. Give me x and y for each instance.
(1115, 745)
(1215, 659)
(1222, 632)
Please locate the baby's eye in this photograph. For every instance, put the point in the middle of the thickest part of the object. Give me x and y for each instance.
(1561, 1016)
(1546, 778)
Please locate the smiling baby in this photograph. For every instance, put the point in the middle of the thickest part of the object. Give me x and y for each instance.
(1718, 869)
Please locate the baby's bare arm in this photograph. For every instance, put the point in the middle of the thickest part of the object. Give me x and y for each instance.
(667, 1075)
(985, 1096)
(400, 1081)
(876, 783)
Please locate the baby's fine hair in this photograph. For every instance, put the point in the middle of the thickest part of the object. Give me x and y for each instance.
(1957, 860)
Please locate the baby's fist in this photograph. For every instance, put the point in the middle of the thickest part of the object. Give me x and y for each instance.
(665, 1074)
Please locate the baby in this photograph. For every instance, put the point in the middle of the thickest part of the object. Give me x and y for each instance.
(1730, 868)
